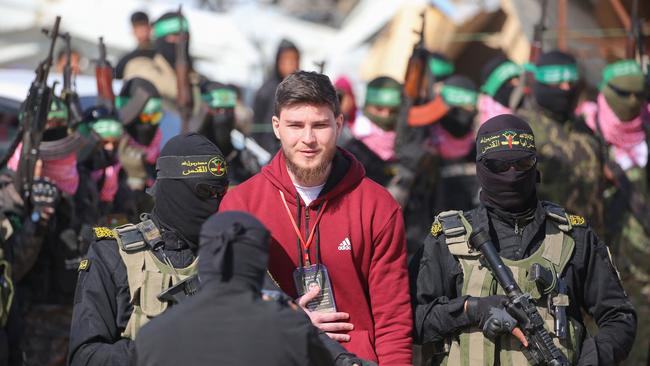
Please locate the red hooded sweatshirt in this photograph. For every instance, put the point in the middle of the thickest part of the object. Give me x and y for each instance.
(362, 246)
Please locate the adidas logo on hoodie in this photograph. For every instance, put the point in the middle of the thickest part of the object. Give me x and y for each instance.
(345, 245)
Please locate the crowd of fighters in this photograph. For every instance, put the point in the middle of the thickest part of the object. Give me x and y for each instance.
(358, 243)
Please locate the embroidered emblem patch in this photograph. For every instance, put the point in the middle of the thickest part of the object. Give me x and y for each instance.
(576, 220)
(436, 229)
(84, 265)
(102, 232)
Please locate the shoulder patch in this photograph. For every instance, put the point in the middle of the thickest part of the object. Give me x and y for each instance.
(84, 265)
(577, 220)
(436, 229)
(102, 232)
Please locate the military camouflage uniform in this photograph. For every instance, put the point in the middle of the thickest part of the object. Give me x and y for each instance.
(570, 164)
(630, 244)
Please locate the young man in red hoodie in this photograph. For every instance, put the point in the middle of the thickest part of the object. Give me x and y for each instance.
(337, 236)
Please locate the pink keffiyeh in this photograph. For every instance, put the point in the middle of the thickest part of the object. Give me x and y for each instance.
(62, 171)
(628, 139)
(488, 108)
(449, 146)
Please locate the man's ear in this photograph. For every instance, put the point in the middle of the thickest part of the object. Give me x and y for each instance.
(339, 124)
(275, 122)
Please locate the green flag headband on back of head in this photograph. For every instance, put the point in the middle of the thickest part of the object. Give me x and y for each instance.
(440, 68)
(555, 74)
(457, 96)
(620, 68)
(169, 26)
(108, 128)
(508, 140)
(220, 98)
(154, 105)
(188, 167)
(57, 111)
(499, 76)
(386, 97)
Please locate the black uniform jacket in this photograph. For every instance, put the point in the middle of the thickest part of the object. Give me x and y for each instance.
(592, 280)
(230, 324)
(102, 302)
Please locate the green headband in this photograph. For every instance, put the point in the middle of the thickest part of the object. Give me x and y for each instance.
(499, 76)
(108, 128)
(154, 105)
(387, 97)
(554, 74)
(620, 68)
(220, 98)
(169, 26)
(57, 111)
(440, 67)
(187, 167)
(508, 140)
(457, 96)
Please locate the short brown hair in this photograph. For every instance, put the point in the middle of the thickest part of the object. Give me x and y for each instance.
(306, 87)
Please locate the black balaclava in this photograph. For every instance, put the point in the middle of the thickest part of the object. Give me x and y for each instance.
(168, 49)
(458, 121)
(506, 137)
(550, 97)
(136, 88)
(187, 164)
(505, 90)
(94, 156)
(218, 126)
(234, 248)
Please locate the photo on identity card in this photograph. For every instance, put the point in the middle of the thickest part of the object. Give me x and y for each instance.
(312, 276)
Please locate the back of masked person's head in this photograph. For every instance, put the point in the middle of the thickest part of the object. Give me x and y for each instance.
(234, 247)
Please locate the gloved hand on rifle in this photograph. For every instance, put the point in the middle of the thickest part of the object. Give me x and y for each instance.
(490, 314)
(44, 199)
(132, 160)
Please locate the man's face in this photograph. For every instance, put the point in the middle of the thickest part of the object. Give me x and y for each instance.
(288, 62)
(308, 136)
(380, 111)
(142, 32)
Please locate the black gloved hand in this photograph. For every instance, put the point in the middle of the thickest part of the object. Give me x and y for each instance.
(44, 198)
(490, 315)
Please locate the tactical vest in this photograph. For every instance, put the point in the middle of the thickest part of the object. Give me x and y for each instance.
(471, 347)
(147, 276)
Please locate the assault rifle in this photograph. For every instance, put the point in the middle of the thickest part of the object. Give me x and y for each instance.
(536, 46)
(182, 68)
(541, 350)
(69, 96)
(536, 49)
(34, 117)
(413, 82)
(104, 77)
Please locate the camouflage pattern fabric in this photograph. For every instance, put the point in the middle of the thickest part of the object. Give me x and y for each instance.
(570, 165)
(631, 250)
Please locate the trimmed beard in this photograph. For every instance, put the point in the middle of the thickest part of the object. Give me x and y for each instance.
(308, 176)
